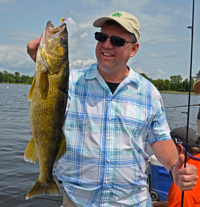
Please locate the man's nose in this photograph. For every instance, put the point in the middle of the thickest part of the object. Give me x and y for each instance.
(107, 43)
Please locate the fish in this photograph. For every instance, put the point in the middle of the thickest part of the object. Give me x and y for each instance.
(48, 98)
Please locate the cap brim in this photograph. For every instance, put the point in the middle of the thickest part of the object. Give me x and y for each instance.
(100, 22)
(196, 87)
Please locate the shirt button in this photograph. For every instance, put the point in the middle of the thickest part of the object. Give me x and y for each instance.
(109, 139)
(107, 182)
(108, 160)
(110, 118)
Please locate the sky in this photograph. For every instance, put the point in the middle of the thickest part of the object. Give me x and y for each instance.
(165, 41)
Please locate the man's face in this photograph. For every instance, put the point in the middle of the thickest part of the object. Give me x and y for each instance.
(112, 58)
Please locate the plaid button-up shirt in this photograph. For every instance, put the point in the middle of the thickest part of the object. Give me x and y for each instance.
(105, 162)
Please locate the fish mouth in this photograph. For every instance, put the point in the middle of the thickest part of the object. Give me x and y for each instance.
(51, 32)
(55, 30)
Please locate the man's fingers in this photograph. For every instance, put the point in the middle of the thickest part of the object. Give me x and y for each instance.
(189, 171)
(185, 186)
(187, 177)
(32, 47)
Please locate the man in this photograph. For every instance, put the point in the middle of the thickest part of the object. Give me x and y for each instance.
(192, 197)
(111, 112)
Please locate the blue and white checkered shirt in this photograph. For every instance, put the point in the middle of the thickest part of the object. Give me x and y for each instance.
(105, 162)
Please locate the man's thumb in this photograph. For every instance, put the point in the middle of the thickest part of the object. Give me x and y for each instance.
(180, 162)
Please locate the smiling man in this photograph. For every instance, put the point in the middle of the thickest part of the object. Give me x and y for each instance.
(111, 112)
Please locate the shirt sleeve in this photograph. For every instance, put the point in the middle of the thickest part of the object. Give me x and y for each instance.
(159, 129)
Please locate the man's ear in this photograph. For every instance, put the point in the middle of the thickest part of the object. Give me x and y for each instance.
(180, 149)
(134, 49)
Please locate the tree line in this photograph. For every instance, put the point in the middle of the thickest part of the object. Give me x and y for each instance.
(175, 83)
(6, 77)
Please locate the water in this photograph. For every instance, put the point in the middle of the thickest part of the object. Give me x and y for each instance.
(17, 176)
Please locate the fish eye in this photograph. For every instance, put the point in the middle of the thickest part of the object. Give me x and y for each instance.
(63, 40)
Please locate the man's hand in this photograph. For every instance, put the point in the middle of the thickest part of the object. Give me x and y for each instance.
(32, 47)
(186, 177)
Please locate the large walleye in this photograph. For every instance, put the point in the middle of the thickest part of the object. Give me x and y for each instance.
(48, 95)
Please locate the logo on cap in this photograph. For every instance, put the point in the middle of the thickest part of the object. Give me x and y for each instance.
(117, 14)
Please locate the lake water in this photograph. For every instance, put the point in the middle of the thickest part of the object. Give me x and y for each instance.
(17, 176)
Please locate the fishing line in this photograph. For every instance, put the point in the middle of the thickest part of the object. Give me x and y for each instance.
(188, 114)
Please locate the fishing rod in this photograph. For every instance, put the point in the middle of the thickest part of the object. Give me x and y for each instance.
(182, 106)
(188, 114)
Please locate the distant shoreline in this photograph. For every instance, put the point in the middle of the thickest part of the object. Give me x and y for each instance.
(178, 92)
(17, 83)
(170, 92)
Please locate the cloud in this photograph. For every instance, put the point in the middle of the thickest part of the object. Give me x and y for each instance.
(7, 1)
(15, 57)
(154, 55)
(132, 62)
(19, 35)
(160, 72)
(172, 54)
(80, 41)
(93, 2)
(81, 63)
(182, 61)
(139, 70)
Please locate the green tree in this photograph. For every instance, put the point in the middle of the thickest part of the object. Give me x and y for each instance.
(175, 82)
(18, 77)
(167, 85)
(186, 85)
(11, 78)
(145, 76)
(160, 84)
(30, 80)
(1, 77)
(5, 76)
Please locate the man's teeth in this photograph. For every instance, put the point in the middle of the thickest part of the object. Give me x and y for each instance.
(106, 54)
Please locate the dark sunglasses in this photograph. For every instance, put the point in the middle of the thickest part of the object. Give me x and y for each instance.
(117, 41)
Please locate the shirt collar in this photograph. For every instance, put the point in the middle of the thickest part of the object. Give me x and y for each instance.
(93, 72)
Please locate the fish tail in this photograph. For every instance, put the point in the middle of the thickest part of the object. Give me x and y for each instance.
(40, 188)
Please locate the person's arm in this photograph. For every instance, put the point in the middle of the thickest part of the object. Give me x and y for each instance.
(167, 155)
(161, 204)
(32, 47)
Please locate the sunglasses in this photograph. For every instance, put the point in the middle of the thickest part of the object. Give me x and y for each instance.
(117, 41)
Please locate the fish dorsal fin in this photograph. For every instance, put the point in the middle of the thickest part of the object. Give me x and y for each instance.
(30, 95)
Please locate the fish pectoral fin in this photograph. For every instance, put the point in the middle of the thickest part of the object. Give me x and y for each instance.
(62, 149)
(43, 188)
(30, 95)
(44, 63)
(30, 154)
(44, 84)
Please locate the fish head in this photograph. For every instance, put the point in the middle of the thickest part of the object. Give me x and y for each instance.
(54, 47)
